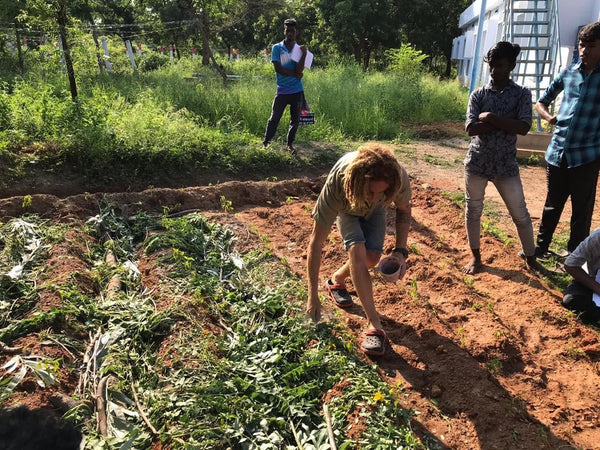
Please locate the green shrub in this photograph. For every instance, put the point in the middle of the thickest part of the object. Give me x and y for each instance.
(5, 122)
(152, 61)
(406, 61)
(165, 119)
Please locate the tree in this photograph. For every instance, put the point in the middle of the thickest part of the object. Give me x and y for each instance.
(359, 26)
(12, 12)
(85, 12)
(121, 13)
(431, 25)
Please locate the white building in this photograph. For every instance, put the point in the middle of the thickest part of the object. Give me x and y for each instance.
(546, 30)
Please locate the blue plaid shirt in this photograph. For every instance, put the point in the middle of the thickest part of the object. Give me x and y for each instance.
(577, 132)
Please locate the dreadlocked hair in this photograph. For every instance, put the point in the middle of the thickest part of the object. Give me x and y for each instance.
(374, 162)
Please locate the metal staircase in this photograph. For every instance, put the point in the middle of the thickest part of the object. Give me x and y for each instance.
(533, 24)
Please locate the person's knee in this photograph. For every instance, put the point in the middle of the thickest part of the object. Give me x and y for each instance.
(359, 255)
(571, 300)
(583, 305)
(522, 219)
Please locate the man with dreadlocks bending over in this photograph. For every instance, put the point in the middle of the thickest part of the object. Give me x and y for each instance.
(357, 192)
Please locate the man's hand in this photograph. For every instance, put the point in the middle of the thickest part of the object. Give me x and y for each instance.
(303, 49)
(399, 257)
(486, 117)
(544, 113)
(313, 308)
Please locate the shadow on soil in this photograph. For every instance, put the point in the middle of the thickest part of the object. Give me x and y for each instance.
(488, 406)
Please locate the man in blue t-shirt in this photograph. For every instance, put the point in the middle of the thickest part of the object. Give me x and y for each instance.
(289, 84)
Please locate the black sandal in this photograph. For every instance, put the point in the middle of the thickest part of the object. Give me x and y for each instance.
(374, 342)
(339, 295)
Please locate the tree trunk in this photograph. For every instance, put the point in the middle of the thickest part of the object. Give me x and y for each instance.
(206, 46)
(19, 51)
(62, 31)
(97, 45)
(176, 48)
(448, 66)
(357, 52)
(205, 54)
(366, 54)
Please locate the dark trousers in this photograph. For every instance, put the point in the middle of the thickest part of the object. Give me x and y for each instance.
(279, 104)
(562, 182)
(578, 298)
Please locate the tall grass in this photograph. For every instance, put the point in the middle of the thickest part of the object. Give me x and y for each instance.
(183, 115)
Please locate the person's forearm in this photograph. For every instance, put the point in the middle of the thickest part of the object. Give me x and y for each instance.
(582, 277)
(313, 258)
(477, 128)
(402, 234)
(300, 65)
(403, 218)
(544, 112)
(282, 71)
(510, 126)
(313, 266)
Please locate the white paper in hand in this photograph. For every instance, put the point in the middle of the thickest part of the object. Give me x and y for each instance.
(297, 54)
(596, 297)
(308, 60)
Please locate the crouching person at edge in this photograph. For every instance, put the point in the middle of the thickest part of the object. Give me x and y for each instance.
(496, 113)
(579, 295)
(356, 193)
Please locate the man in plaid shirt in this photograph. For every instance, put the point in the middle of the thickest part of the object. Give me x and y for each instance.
(573, 155)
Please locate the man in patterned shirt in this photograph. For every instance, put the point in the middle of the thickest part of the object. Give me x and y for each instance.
(497, 112)
(573, 155)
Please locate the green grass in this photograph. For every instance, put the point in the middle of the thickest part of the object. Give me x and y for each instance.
(458, 198)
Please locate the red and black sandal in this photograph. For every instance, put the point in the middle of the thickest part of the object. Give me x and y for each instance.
(374, 342)
(339, 295)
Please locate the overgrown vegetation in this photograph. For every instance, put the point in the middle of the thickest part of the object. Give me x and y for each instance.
(181, 118)
(228, 362)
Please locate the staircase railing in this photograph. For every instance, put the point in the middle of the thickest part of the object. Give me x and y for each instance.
(534, 25)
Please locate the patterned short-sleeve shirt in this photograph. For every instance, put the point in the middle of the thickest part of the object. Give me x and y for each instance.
(494, 154)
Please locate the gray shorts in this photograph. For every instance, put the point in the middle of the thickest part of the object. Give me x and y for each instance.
(370, 230)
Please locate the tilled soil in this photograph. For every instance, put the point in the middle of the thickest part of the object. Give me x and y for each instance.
(490, 361)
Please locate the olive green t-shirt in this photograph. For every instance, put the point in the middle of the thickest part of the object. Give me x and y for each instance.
(332, 199)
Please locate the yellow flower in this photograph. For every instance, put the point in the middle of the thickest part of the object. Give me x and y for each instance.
(378, 397)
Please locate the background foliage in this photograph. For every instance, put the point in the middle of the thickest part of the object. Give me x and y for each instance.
(332, 28)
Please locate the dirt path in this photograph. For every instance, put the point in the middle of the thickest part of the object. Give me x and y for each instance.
(490, 361)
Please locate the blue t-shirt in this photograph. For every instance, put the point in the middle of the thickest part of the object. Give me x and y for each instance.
(285, 83)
